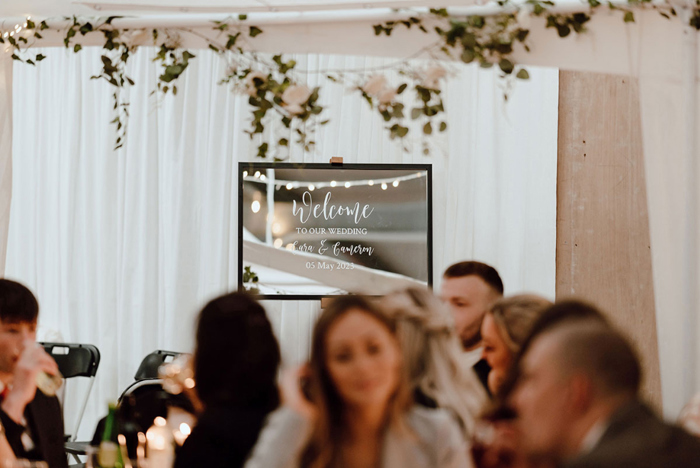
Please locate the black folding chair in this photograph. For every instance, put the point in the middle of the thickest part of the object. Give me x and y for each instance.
(148, 369)
(76, 360)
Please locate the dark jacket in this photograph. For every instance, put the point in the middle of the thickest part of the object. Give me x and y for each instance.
(45, 423)
(636, 438)
(223, 437)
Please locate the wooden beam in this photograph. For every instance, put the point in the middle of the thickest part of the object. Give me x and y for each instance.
(603, 249)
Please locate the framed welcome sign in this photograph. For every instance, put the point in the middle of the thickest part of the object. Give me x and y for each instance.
(317, 230)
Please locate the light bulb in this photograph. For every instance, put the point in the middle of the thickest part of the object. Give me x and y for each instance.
(262, 177)
(245, 174)
(278, 243)
(395, 183)
(333, 183)
(347, 184)
(255, 206)
(384, 185)
(257, 173)
(311, 188)
(289, 186)
(370, 183)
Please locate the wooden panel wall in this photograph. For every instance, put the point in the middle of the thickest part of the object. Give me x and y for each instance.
(603, 251)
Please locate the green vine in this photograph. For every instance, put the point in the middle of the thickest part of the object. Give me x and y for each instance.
(276, 89)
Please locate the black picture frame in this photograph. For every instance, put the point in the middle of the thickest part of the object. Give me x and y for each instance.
(251, 166)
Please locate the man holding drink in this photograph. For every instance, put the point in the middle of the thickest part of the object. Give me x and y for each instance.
(32, 421)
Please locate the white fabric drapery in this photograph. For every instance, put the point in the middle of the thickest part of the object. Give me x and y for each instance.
(5, 151)
(123, 248)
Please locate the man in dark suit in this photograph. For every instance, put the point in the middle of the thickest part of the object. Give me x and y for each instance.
(470, 289)
(32, 421)
(577, 403)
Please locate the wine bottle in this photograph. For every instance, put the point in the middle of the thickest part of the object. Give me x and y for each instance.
(109, 455)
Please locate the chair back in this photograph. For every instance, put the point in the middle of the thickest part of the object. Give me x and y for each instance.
(150, 364)
(74, 359)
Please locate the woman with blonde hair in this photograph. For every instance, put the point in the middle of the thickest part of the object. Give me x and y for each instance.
(431, 353)
(504, 330)
(351, 406)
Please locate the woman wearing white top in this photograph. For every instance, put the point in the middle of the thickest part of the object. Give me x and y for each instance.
(359, 412)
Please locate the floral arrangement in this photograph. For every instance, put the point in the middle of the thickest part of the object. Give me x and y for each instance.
(276, 91)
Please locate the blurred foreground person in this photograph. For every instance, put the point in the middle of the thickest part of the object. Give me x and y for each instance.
(470, 289)
(32, 421)
(431, 354)
(577, 403)
(235, 368)
(352, 407)
(504, 330)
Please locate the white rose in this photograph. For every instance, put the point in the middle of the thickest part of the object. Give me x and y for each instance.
(523, 17)
(375, 85)
(386, 96)
(294, 109)
(296, 95)
(250, 87)
(433, 76)
(135, 37)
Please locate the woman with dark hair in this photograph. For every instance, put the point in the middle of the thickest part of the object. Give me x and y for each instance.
(355, 409)
(235, 367)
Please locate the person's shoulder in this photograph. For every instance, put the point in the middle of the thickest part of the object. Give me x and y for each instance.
(638, 438)
(42, 402)
(439, 437)
(437, 424)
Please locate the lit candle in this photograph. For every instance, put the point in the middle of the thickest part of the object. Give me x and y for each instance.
(160, 445)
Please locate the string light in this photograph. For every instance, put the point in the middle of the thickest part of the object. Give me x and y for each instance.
(384, 186)
(255, 206)
(278, 243)
(245, 174)
(311, 186)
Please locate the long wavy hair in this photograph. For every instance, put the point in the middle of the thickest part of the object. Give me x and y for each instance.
(432, 352)
(515, 316)
(322, 449)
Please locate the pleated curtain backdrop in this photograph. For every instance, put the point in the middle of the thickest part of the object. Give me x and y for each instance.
(123, 248)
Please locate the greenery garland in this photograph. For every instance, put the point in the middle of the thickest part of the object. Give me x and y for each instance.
(275, 88)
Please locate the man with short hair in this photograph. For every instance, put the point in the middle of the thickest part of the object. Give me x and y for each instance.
(470, 289)
(32, 421)
(577, 403)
